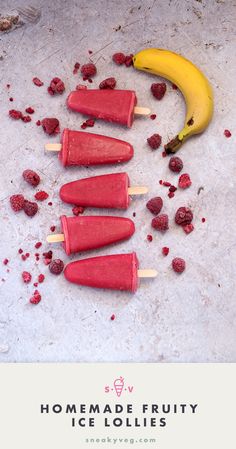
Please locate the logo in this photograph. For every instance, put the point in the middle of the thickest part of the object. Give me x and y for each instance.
(119, 387)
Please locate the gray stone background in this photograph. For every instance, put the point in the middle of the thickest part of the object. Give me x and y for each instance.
(187, 318)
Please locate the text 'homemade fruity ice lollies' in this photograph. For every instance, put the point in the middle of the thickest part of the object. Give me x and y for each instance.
(117, 272)
(85, 233)
(82, 148)
(111, 191)
(117, 106)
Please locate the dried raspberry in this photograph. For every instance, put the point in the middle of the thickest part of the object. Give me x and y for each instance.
(52, 228)
(227, 133)
(80, 87)
(183, 216)
(185, 181)
(108, 83)
(29, 110)
(76, 68)
(158, 90)
(154, 141)
(26, 276)
(38, 123)
(31, 177)
(17, 202)
(16, 115)
(175, 164)
(149, 237)
(152, 116)
(188, 228)
(113, 317)
(37, 245)
(160, 223)
(41, 196)
(56, 266)
(88, 70)
(178, 265)
(51, 126)
(165, 251)
(37, 82)
(155, 205)
(203, 220)
(119, 58)
(36, 298)
(26, 118)
(77, 210)
(129, 60)
(30, 208)
(56, 86)
(41, 278)
(5, 262)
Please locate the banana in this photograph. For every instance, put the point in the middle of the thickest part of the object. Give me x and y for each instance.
(192, 83)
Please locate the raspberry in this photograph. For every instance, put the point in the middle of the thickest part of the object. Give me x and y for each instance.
(178, 265)
(56, 86)
(37, 82)
(16, 115)
(31, 177)
(158, 90)
(152, 116)
(165, 251)
(227, 133)
(36, 298)
(108, 83)
(37, 245)
(56, 266)
(129, 60)
(26, 276)
(160, 223)
(149, 237)
(5, 262)
(52, 228)
(41, 278)
(154, 141)
(26, 118)
(29, 110)
(88, 70)
(76, 68)
(185, 181)
(30, 208)
(183, 216)
(113, 317)
(155, 205)
(119, 58)
(41, 196)
(175, 164)
(77, 210)
(51, 126)
(188, 228)
(17, 202)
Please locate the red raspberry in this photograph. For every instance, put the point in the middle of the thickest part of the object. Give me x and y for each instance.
(185, 181)
(26, 118)
(88, 70)
(29, 110)
(51, 126)
(41, 278)
(16, 115)
(152, 116)
(158, 90)
(113, 317)
(17, 202)
(56, 266)
(175, 164)
(37, 82)
(227, 133)
(160, 223)
(77, 210)
(178, 265)
(129, 60)
(188, 228)
(119, 58)
(37, 245)
(56, 86)
(41, 196)
(154, 141)
(108, 83)
(165, 251)
(30, 208)
(155, 205)
(31, 177)
(26, 276)
(183, 216)
(36, 298)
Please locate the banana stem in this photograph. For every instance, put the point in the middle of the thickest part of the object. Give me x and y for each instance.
(173, 145)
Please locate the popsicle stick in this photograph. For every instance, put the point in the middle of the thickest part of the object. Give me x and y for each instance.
(137, 190)
(53, 146)
(141, 111)
(147, 273)
(54, 238)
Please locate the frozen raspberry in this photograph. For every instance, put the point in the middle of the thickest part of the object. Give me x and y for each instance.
(183, 216)
(155, 205)
(16, 115)
(51, 126)
(119, 58)
(129, 60)
(37, 245)
(158, 90)
(88, 70)
(175, 164)
(31, 177)
(76, 68)
(154, 141)
(184, 181)
(188, 228)
(227, 133)
(5, 262)
(36, 298)
(113, 317)
(149, 237)
(56, 266)
(52, 228)
(160, 223)
(56, 86)
(41, 278)
(153, 116)
(17, 202)
(29, 110)
(26, 118)
(41, 196)
(30, 208)
(37, 82)
(77, 210)
(108, 83)
(178, 265)
(26, 276)
(165, 251)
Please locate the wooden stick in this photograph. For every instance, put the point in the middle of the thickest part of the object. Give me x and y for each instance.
(137, 190)
(54, 238)
(142, 111)
(147, 273)
(53, 146)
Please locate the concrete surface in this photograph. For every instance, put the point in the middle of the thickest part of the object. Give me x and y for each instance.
(187, 318)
